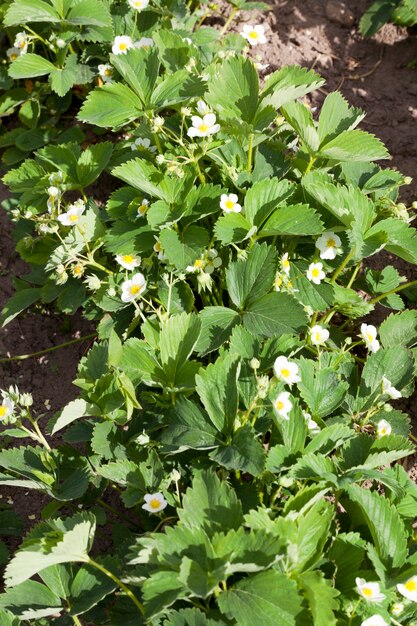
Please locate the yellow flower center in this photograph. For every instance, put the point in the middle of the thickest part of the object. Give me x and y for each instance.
(203, 128)
(285, 373)
(128, 258)
(142, 209)
(73, 218)
(317, 337)
(331, 243)
(411, 585)
(21, 44)
(229, 204)
(123, 46)
(135, 289)
(13, 56)
(278, 281)
(108, 72)
(78, 269)
(286, 263)
(279, 405)
(253, 35)
(369, 337)
(383, 431)
(157, 247)
(3, 411)
(198, 263)
(315, 272)
(367, 592)
(154, 503)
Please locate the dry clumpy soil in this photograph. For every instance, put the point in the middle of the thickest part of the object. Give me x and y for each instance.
(378, 75)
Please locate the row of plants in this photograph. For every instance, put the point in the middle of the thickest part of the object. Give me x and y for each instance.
(235, 433)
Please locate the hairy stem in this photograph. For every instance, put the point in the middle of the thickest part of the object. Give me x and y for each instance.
(22, 357)
(119, 583)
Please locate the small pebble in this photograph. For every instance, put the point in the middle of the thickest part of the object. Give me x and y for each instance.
(339, 13)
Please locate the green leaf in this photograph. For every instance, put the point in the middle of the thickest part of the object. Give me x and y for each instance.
(30, 65)
(244, 452)
(322, 390)
(73, 411)
(300, 118)
(378, 14)
(176, 88)
(248, 280)
(25, 11)
(30, 600)
(217, 387)
(275, 314)
(217, 323)
(394, 363)
(297, 219)
(29, 113)
(57, 579)
(189, 427)
(238, 78)
(232, 228)
(110, 106)
(336, 116)
(68, 541)
(174, 51)
(61, 80)
(264, 197)
(399, 330)
(312, 533)
(354, 145)
(94, 16)
(139, 68)
(321, 598)
(289, 83)
(178, 338)
(330, 438)
(20, 301)
(188, 617)
(92, 162)
(210, 504)
(268, 598)
(90, 586)
(384, 522)
(182, 250)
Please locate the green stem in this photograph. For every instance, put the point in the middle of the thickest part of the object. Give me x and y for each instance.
(199, 173)
(250, 151)
(388, 293)
(352, 615)
(115, 512)
(342, 266)
(119, 583)
(22, 357)
(94, 263)
(76, 620)
(354, 274)
(157, 143)
(229, 20)
(38, 432)
(310, 164)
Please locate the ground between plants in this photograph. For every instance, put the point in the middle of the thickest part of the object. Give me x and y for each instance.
(378, 75)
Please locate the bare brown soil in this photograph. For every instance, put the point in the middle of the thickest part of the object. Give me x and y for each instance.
(378, 75)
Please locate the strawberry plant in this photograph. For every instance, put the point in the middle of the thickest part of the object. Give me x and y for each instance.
(237, 398)
(400, 12)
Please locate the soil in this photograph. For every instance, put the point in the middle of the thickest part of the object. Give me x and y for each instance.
(378, 75)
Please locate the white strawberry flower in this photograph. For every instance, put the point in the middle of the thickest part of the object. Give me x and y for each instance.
(159, 250)
(133, 288)
(390, 390)
(375, 620)
(383, 428)
(105, 71)
(203, 126)
(286, 371)
(409, 589)
(312, 426)
(56, 178)
(143, 207)
(154, 502)
(229, 203)
(369, 334)
(371, 591)
(122, 44)
(397, 608)
(128, 261)
(142, 143)
(283, 405)
(254, 34)
(6, 408)
(318, 335)
(329, 245)
(145, 42)
(198, 266)
(315, 273)
(138, 5)
(285, 264)
(278, 282)
(21, 42)
(202, 107)
(13, 53)
(72, 216)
